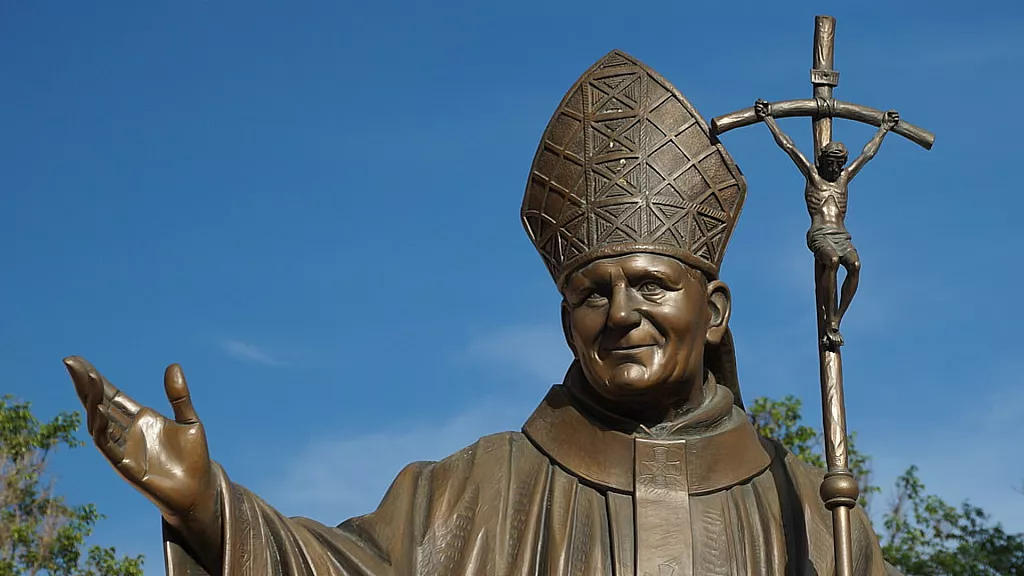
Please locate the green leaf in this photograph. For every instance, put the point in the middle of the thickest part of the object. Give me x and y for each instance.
(923, 534)
(39, 532)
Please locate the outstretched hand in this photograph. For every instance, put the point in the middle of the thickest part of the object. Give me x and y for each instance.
(167, 460)
(890, 119)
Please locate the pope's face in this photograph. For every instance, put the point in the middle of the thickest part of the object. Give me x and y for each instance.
(638, 324)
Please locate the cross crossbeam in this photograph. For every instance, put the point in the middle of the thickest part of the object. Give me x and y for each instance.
(822, 108)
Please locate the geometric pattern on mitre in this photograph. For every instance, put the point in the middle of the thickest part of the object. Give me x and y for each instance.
(627, 164)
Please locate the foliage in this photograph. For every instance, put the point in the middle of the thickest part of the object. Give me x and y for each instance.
(927, 536)
(783, 421)
(924, 535)
(39, 532)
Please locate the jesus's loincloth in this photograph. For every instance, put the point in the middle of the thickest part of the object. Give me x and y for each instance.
(824, 239)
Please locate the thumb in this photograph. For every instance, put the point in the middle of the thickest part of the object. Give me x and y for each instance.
(177, 394)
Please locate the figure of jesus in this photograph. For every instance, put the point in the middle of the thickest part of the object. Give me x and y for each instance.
(826, 195)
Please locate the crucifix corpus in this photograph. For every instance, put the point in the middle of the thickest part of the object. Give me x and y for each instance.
(826, 194)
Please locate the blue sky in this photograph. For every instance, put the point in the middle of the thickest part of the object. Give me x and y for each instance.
(315, 210)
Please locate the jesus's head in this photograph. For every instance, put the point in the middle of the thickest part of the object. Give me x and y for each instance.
(832, 160)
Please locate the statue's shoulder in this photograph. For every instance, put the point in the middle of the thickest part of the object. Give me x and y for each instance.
(500, 446)
(799, 470)
(490, 459)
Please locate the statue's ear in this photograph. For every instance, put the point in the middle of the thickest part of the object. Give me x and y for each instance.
(720, 309)
(567, 326)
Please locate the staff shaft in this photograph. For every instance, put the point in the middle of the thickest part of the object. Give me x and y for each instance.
(830, 361)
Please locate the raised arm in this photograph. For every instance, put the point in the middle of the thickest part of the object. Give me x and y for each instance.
(890, 120)
(763, 111)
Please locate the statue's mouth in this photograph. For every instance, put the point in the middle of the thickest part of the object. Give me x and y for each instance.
(629, 348)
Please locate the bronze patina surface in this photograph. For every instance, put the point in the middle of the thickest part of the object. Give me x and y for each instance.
(641, 463)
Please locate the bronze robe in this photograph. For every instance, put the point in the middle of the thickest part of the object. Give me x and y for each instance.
(571, 495)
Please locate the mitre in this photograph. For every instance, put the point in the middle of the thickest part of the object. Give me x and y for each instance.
(627, 165)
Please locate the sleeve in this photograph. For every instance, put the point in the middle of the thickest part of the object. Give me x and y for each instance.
(258, 540)
(867, 552)
(867, 549)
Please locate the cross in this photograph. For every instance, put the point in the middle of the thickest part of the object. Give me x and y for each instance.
(839, 490)
(661, 468)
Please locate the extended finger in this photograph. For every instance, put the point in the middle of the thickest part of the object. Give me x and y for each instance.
(79, 369)
(90, 389)
(119, 400)
(178, 395)
(109, 435)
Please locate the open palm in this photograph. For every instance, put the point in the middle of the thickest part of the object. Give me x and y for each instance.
(167, 460)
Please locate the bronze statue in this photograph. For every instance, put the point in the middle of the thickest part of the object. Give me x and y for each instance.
(826, 194)
(642, 462)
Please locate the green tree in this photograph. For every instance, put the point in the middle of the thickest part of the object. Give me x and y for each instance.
(923, 534)
(782, 420)
(39, 532)
(926, 536)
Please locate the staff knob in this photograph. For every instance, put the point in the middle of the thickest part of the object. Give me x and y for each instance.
(839, 488)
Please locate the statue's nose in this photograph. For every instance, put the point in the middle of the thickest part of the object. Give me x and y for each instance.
(622, 312)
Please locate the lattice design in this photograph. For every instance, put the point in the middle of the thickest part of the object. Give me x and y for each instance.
(627, 162)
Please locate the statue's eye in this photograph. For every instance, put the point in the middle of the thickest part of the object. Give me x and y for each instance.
(650, 288)
(594, 298)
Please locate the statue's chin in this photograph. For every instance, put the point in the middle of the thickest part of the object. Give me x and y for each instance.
(630, 376)
(627, 382)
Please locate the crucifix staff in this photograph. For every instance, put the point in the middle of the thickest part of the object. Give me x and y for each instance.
(828, 239)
